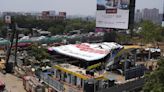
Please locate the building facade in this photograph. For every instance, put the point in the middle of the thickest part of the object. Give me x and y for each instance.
(51, 15)
(138, 16)
(148, 14)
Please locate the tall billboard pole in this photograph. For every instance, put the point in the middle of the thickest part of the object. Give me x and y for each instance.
(131, 16)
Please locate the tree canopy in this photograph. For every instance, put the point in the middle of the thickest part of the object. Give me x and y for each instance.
(3, 30)
(55, 26)
(150, 32)
(154, 80)
(39, 53)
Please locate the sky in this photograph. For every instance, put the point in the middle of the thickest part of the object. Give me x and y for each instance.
(72, 7)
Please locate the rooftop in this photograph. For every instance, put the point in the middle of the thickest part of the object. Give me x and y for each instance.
(77, 71)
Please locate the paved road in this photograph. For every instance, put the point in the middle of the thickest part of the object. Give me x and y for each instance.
(13, 84)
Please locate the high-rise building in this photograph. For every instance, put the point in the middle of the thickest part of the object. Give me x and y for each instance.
(148, 14)
(151, 14)
(48, 13)
(62, 14)
(51, 15)
(138, 16)
(45, 13)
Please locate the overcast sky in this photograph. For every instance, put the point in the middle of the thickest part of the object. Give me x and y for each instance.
(72, 7)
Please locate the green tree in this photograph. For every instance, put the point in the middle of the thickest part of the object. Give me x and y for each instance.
(68, 28)
(154, 80)
(90, 26)
(26, 31)
(147, 31)
(56, 30)
(1, 23)
(78, 23)
(3, 32)
(123, 38)
(38, 52)
(151, 33)
(52, 30)
(55, 26)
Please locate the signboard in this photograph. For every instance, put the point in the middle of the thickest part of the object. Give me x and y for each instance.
(86, 51)
(8, 19)
(112, 14)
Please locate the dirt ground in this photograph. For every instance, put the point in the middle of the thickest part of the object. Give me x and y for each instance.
(13, 84)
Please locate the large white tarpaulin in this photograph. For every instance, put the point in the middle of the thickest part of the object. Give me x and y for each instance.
(86, 51)
(112, 14)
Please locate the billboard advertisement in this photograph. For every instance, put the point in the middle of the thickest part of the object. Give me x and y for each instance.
(86, 51)
(112, 14)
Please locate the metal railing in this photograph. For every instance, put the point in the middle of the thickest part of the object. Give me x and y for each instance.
(52, 82)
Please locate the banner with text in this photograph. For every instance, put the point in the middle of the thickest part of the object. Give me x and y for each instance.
(112, 14)
(86, 51)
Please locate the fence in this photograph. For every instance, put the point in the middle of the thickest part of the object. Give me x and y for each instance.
(52, 82)
(130, 86)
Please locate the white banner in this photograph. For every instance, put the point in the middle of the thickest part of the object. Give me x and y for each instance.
(112, 14)
(86, 51)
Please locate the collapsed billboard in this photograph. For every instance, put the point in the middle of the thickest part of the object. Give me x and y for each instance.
(112, 14)
(86, 51)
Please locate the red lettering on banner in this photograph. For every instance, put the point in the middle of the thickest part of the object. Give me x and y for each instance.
(87, 48)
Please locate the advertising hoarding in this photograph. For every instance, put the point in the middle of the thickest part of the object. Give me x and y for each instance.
(86, 51)
(112, 14)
